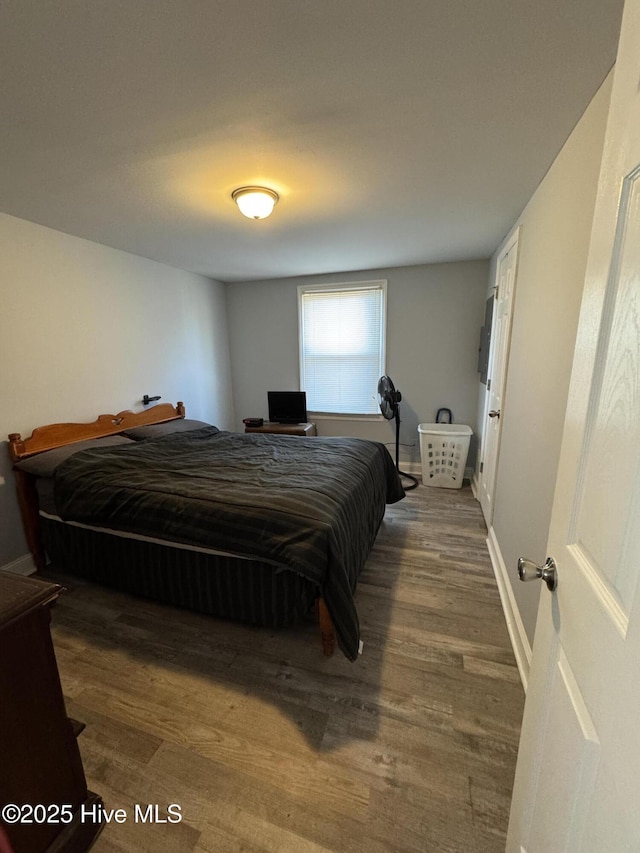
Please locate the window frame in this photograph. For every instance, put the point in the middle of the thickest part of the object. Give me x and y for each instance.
(338, 287)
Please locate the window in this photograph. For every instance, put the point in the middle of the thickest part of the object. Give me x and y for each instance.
(342, 342)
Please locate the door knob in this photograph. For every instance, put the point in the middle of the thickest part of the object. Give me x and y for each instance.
(494, 414)
(530, 571)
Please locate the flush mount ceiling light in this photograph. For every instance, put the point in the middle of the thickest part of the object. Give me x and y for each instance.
(255, 202)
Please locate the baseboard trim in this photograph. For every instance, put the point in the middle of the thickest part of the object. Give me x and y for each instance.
(515, 626)
(21, 566)
(414, 468)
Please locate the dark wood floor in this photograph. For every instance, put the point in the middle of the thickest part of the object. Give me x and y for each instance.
(268, 746)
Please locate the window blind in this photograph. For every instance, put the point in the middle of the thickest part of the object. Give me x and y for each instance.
(342, 337)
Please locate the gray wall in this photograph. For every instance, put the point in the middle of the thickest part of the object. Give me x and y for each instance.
(556, 227)
(434, 315)
(86, 330)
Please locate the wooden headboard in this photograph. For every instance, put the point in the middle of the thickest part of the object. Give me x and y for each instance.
(57, 435)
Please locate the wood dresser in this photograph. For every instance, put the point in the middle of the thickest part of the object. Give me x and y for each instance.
(41, 763)
(284, 429)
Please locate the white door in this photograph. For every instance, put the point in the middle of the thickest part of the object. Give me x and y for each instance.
(497, 374)
(577, 782)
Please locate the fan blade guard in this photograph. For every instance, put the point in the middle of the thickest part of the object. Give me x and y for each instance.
(387, 397)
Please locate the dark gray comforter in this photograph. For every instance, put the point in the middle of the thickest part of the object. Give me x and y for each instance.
(311, 505)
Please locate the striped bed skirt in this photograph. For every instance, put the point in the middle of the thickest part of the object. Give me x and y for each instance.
(219, 585)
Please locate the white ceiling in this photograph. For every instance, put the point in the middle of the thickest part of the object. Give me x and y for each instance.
(395, 131)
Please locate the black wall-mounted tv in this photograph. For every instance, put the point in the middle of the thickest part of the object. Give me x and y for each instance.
(287, 407)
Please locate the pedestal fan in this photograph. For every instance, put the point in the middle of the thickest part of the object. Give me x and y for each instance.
(388, 400)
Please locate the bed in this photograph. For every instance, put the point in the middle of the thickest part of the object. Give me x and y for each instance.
(253, 527)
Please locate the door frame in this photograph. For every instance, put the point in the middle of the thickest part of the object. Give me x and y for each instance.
(511, 243)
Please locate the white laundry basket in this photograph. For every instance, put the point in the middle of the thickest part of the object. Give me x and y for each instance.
(443, 452)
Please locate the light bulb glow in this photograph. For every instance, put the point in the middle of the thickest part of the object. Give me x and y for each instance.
(255, 202)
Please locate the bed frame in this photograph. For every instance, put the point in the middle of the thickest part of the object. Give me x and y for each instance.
(56, 435)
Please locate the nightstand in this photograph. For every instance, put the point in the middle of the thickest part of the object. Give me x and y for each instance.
(285, 429)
